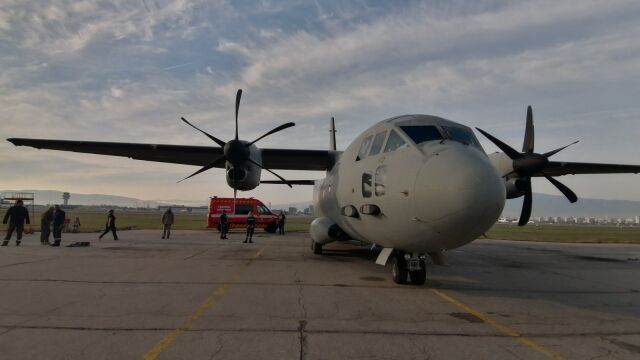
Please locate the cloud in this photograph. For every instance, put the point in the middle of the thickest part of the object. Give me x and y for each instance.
(126, 71)
(60, 27)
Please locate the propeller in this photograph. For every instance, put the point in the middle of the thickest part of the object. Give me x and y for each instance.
(529, 163)
(236, 151)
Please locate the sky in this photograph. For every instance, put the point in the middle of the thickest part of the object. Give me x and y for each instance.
(127, 71)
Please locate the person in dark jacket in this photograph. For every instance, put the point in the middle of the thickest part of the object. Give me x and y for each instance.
(59, 216)
(251, 225)
(17, 215)
(167, 221)
(110, 225)
(281, 220)
(224, 224)
(45, 225)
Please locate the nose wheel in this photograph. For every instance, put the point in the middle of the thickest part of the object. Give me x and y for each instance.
(408, 268)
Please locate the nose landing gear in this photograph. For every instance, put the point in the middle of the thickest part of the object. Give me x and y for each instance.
(409, 268)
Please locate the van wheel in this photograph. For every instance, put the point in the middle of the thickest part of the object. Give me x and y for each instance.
(271, 228)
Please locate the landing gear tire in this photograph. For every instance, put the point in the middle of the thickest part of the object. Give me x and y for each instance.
(399, 271)
(317, 248)
(419, 277)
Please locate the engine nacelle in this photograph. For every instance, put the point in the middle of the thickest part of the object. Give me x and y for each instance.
(323, 230)
(248, 176)
(515, 188)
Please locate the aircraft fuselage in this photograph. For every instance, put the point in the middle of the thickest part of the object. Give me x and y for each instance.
(415, 183)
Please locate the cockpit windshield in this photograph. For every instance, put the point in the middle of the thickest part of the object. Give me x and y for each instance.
(422, 133)
(462, 135)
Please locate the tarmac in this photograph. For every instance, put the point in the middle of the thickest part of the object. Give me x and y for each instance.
(195, 296)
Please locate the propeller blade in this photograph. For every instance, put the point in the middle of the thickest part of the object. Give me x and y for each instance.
(217, 141)
(203, 169)
(279, 128)
(278, 176)
(238, 96)
(513, 154)
(570, 195)
(553, 152)
(529, 134)
(526, 204)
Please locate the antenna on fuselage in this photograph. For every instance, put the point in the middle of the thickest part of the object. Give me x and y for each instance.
(332, 135)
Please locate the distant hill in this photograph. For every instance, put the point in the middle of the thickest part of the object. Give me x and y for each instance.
(558, 205)
(551, 205)
(44, 197)
(543, 204)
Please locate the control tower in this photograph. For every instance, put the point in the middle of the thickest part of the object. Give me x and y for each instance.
(65, 197)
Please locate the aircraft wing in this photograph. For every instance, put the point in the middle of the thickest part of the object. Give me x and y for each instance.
(558, 168)
(284, 159)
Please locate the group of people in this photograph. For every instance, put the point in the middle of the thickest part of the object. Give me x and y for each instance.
(53, 220)
(251, 225)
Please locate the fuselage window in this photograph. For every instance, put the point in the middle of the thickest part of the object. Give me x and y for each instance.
(461, 134)
(381, 180)
(376, 146)
(394, 142)
(362, 153)
(422, 133)
(366, 184)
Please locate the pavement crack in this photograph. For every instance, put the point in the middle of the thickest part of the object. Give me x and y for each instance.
(303, 338)
(196, 254)
(218, 349)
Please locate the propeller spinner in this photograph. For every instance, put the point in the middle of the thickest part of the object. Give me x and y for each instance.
(236, 151)
(527, 164)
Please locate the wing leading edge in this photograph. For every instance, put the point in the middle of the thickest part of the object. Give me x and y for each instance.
(559, 168)
(282, 159)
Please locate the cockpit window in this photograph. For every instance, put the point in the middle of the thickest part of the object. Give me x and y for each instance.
(376, 146)
(422, 133)
(394, 142)
(362, 153)
(461, 134)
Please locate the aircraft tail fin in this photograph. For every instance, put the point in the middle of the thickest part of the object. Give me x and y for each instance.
(332, 135)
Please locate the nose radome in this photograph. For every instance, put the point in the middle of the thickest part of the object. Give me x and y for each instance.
(459, 193)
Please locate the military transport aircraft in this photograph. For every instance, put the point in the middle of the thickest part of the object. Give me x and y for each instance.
(414, 185)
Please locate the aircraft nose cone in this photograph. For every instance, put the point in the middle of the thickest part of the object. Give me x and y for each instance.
(460, 195)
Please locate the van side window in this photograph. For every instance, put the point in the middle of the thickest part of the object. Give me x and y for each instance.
(394, 142)
(362, 153)
(381, 180)
(263, 210)
(366, 184)
(376, 146)
(243, 209)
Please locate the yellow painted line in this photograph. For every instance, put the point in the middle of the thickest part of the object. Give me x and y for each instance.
(208, 303)
(501, 328)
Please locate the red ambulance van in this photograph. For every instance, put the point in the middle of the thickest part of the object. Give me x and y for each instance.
(237, 214)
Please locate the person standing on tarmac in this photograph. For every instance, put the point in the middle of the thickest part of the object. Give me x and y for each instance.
(251, 225)
(281, 220)
(224, 224)
(59, 217)
(167, 221)
(110, 225)
(45, 225)
(19, 215)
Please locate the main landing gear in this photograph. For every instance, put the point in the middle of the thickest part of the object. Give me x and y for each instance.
(317, 248)
(409, 268)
